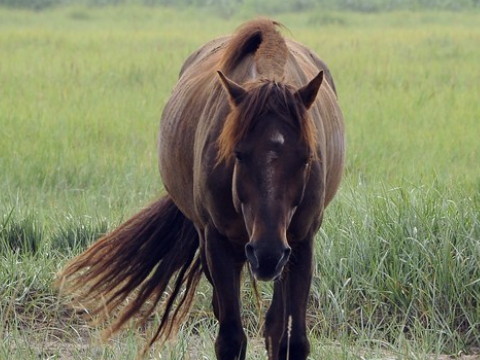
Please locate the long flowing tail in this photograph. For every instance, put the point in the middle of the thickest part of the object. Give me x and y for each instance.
(138, 260)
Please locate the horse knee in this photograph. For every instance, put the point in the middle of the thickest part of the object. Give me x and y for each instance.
(272, 317)
(298, 349)
(231, 343)
(273, 331)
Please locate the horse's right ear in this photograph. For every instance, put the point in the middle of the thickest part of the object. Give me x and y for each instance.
(236, 93)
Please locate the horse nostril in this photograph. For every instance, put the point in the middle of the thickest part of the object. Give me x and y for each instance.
(252, 258)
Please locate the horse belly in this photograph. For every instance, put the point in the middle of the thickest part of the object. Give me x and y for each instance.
(175, 157)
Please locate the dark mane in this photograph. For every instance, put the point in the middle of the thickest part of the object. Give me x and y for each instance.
(264, 97)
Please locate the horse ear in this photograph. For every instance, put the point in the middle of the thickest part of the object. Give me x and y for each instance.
(309, 92)
(235, 92)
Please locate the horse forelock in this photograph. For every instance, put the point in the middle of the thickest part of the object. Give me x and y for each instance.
(265, 97)
(266, 49)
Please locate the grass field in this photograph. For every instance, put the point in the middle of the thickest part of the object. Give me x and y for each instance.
(398, 258)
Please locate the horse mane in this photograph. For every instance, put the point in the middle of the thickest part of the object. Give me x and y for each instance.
(260, 38)
(263, 97)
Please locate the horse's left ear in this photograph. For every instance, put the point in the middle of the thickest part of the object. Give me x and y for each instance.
(236, 93)
(309, 92)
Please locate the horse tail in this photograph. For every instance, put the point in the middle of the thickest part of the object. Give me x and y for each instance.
(261, 38)
(125, 274)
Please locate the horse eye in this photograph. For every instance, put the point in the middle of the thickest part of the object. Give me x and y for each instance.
(239, 156)
(307, 161)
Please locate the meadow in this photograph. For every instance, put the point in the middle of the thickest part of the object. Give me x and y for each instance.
(398, 257)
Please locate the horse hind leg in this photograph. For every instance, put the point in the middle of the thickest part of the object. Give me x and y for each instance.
(224, 269)
(275, 321)
(285, 325)
(206, 271)
(298, 281)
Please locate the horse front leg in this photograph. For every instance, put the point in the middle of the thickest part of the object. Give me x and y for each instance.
(225, 264)
(285, 325)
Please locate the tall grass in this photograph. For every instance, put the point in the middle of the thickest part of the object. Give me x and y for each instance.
(404, 266)
(397, 261)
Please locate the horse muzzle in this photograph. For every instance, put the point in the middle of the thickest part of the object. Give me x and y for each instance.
(266, 261)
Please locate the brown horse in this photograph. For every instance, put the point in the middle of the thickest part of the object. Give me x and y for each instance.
(251, 152)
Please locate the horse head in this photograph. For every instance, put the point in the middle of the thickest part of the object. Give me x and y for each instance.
(270, 139)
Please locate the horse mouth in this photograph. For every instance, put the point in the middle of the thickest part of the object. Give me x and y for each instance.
(263, 275)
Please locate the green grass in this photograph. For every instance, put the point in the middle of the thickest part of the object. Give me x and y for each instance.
(398, 258)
